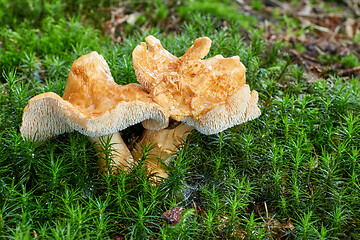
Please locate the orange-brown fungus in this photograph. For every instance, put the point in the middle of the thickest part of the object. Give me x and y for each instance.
(92, 104)
(187, 86)
(90, 86)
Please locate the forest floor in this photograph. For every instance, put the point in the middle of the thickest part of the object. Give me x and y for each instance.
(292, 173)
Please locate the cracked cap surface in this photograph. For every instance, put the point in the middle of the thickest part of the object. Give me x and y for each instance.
(209, 94)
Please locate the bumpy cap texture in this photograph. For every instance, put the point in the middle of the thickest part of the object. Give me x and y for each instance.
(211, 94)
(92, 104)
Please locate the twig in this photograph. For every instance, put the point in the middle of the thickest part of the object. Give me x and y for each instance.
(266, 209)
(349, 71)
(333, 35)
(279, 4)
(310, 58)
(321, 52)
(298, 55)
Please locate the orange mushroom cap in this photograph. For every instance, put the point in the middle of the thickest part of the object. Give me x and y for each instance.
(209, 94)
(92, 104)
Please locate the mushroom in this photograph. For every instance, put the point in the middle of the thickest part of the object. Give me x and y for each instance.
(94, 105)
(209, 95)
(164, 143)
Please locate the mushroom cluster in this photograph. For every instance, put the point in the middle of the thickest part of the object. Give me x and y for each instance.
(189, 93)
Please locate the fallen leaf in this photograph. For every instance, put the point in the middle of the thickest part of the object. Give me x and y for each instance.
(173, 216)
(349, 27)
(116, 237)
(131, 19)
(313, 74)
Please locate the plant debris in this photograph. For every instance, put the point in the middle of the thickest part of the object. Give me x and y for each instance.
(321, 36)
(116, 237)
(173, 216)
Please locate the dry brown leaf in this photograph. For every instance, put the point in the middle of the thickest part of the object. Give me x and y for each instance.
(173, 216)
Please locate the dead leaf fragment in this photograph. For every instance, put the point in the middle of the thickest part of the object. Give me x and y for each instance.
(173, 216)
(280, 229)
(116, 237)
(349, 27)
(313, 73)
(131, 19)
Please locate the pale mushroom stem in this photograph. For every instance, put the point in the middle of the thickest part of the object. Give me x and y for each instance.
(121, 158)
(164, 144)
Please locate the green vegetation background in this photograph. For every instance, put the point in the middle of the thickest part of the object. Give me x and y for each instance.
(293, 173)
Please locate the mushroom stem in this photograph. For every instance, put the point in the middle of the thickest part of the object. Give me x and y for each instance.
(165, 143)
(121, 158)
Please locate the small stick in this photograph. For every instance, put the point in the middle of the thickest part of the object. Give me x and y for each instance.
(349, 71)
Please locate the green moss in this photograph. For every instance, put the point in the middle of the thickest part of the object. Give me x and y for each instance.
(349, 61)
(256, 4)
(217, 9)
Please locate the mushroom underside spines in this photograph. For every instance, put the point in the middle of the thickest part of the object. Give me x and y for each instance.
(239, 108)
(48, 116)
(41, 120)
